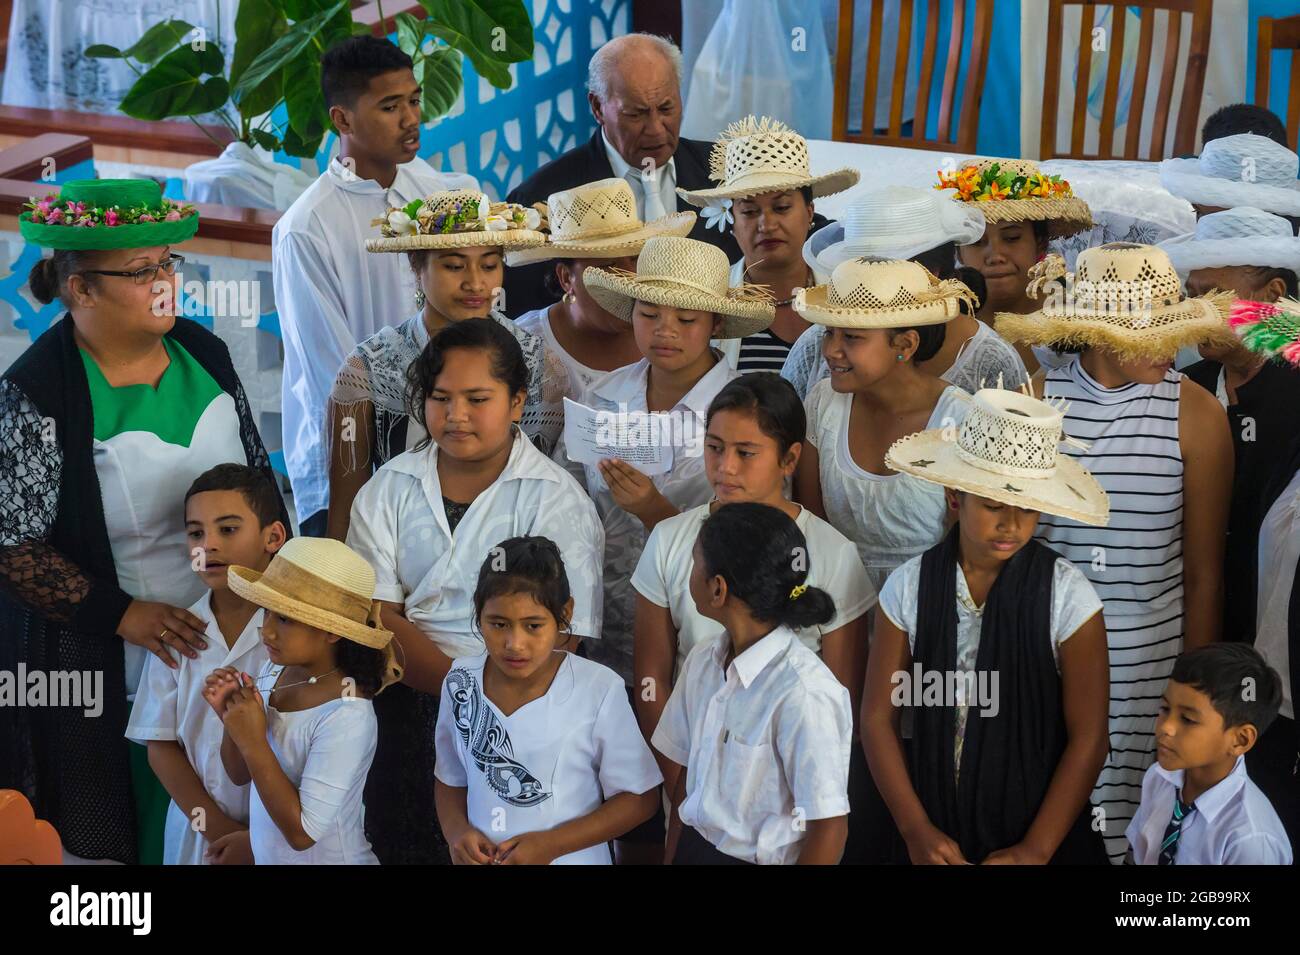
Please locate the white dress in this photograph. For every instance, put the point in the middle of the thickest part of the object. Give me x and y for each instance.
(555, 759)
(326, 753)
(538, 323)
(890, 517)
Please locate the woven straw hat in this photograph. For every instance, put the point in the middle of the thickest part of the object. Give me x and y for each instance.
(683, 273)
(1240, 236)
(1240, 170)
(456, 219)
(1064, 212)
(323, 583)
(755, 156)
(1124, 297)
(598, 221)
(895, 223)
(1008, 450)
(882, 293)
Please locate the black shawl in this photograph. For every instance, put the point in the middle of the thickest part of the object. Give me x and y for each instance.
(60, 602)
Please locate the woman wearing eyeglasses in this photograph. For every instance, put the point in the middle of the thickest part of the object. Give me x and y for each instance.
(105, 421)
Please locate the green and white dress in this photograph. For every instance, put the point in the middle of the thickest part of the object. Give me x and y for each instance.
(150, 444)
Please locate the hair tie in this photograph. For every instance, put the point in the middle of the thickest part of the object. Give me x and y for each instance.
(798, 591)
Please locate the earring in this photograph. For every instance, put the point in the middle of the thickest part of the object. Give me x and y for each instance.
(901, 357)
(569, 298)
(419, 298)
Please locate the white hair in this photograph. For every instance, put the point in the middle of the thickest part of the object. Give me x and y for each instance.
(604, 62)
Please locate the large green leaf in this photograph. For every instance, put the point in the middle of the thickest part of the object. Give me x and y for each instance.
(440, 83)
(174, 87)
(158, 39)
(410, 33)
(303, 99)
(495, 72)
(302, 147)
(102, 51)
(267, 141)
(258, 24)
(495, 30)
(296, 39)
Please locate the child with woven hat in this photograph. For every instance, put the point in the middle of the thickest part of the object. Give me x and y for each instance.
(927, 227)
(1160, 447)
(998, 768)
(594, 224)
(1025, 209)
(882, 317)
(757, 729)
(455, 242)
(307, 747)
(1253, 254)
(1245, 169)
(765, 192)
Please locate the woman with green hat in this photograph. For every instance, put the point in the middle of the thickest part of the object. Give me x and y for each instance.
(104, 422)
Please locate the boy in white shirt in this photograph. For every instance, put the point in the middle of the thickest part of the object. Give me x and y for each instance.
(1198, 805)
(330, 293)
(231, 517)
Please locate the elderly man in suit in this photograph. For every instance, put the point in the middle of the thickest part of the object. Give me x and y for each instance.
(634, 88)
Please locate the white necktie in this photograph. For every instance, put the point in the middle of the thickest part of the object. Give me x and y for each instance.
(653, 203)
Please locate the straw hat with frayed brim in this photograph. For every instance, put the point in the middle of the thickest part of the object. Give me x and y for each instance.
(598, 220)
(323, 583)
(456, 219)
(882, 293)
(97, 214)
(1008, 450)
(683, 273)
(1064, 212)
(754, 156)
(1122, 297)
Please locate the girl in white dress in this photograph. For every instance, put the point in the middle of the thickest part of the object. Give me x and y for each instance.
(883, 316)
(539, 757)
(307, 748)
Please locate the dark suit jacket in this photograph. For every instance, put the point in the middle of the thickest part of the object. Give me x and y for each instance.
(588, 163)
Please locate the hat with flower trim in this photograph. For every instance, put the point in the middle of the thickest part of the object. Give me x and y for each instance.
(1016, 190)
(456, 219)
(91, 214)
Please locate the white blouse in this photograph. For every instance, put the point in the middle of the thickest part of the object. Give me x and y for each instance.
(538, 322)
(892, 518)
(663, 577)
(1279, 552)
(555, 759)
(399, 524)
(326, 752)
(169, 706)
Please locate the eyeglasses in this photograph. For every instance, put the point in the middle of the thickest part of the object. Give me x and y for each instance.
(145, 275)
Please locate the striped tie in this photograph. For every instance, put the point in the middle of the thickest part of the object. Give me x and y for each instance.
(1169, 847)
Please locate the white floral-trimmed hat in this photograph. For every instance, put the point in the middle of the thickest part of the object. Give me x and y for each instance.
(456, 219)
(1240, 170)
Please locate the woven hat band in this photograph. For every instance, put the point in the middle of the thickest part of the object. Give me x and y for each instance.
(580, 233)
(295, 583)
(680, 281)
(1003, 440)
(997, 467)
(745, 157)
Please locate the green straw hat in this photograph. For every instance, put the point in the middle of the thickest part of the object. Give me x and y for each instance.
(107, 214)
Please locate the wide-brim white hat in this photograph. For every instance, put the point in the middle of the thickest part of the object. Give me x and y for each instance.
(1241, 236)
(1008, 450)
(1240, 170)
(899, 222)
(754, 156)
(683, 273)
(598, 220)
(882, 293)
(457, 219)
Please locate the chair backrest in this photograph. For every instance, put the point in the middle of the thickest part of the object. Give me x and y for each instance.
(24, 839)
(1193, 74)
(1279, 34)
(981, 13)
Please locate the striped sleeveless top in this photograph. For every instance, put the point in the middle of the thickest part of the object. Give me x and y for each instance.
(1136, 561)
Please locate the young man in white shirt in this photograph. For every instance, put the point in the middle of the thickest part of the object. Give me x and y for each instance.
(329, 292)
(1199, 807)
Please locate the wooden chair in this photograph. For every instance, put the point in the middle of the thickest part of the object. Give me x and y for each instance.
(1275, 34)
(1185, 128)
(977, 64)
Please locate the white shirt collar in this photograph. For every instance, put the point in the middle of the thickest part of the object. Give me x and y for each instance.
(525, 462)
(621, 167)
(1210, 802)
(757, 656)
(627, 386)
(405, 186)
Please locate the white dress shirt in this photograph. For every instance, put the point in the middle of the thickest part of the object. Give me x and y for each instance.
(553, 760)
(664, 572)
(658, 188)
(1279, 552)
(170, 706)
(331, 294)
(399, 524)
(765, 744)
(1233, 823)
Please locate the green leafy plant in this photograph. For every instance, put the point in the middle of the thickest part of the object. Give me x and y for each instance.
(276, 59)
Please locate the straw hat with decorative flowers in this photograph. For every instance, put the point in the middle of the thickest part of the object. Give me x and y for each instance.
(456, 219)
(597, 220)
(1016, 190)
(683, 273)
